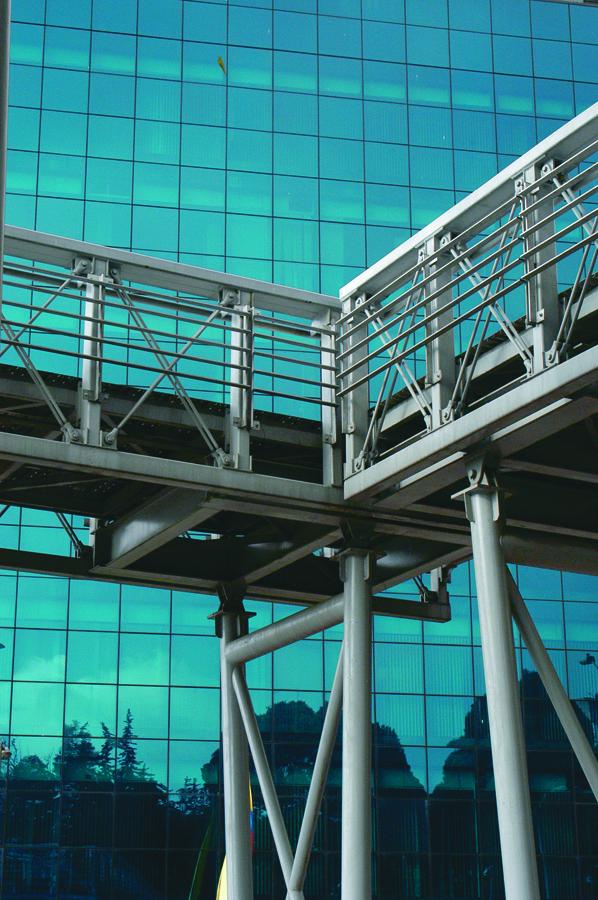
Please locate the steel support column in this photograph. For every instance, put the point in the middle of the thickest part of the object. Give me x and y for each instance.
(356, 879)
(502, 691)
(235, 767)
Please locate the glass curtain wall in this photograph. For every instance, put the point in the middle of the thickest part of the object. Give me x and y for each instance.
(297, 141)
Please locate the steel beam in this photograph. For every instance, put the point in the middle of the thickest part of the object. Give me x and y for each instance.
(235, 767)
(356, 851)
(556, 692)
(502, 691)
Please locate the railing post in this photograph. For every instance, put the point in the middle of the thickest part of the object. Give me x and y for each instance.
(541, 289)
(355, 404)
(90, 388)
(231, 623)
(331, 450)
(356, 852)
(440, 350)
(502, 690)
(240, 420)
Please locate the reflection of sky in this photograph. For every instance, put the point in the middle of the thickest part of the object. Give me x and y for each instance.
(37, 707)
(187, 759)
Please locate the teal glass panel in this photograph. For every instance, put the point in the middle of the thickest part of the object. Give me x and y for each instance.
(191, 761)
(470, 16)
(144, 659)
(250, 109)
(110, 137)
(387, 205)
(148, 707)
(23, 129)
(145, 609)
(26, 44)
(249, 236)
(554, 99)
(296, 113)
(458, 630)
(449, 670)
(151, 19)
(157, 141)
(340, 77)
(204, 104)
(249, 68)
(447, 719)
(294, 31)
(341, 159)
(25, 86)
(65, 90)
(299, 666)
(21, 172)
(29, 11)
(474, 130)
(584, 62)
(384, 41)
(5, 691)
(386, 163)
(156, 185)
(113, 53)
(158, 58)
(39, 655)
(203, 146)
(512, 55)
(250, 26)
(473, 169)
(583, 675)
(510, 17)
(194, 714)
(42, 602)
(295, 154)
(158, 99)
(380, 9)
(552, 59)
(109, 179)
(6, 654)
(296, 198)
(296, 240)
(350, 8)
(92, 657)
(384, 81)
(428, 86)
(398, 669)
(385, 122)
(403, 715)
(550, 20)
(339, 37)
(94, 605)
(471, 51)
(580, 587)
(472, 90)
(204, 22)
(111, 95)
(190, 613)
(295, 72)
(37, 708)
(305, 277)
(91, 706)
(195, 661)
(514, 134)
(430, 126)
(341, 201)
(543, 584)
(427, 205)
(249, 193)
(581, 626)
(249, 150)
(202, 231)
(63, 133)
(342, 245)
(340, 118)
(202, 189)
(115, 15)
(381, 241)
(431, 167)
(8, 588)
(433, 12)
(427, 46)
(200, 63)
(66, 48)
(583, 25)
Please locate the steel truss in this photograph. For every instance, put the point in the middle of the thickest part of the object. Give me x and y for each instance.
(157, 399)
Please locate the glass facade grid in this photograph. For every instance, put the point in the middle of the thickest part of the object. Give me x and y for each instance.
(330, 132)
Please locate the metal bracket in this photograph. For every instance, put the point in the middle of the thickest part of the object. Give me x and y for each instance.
(231, 595)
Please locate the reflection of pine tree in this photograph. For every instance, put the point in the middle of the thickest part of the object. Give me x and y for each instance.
(192, 797)
(128, 767)
(106, 754)
(79, 758)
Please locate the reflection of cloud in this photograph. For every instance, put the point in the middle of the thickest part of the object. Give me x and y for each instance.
(41, 668)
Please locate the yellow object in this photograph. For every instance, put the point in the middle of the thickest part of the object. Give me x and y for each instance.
(221, 64)
(222, 892)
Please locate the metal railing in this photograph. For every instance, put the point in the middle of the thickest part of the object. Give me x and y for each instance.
(107, 317)
(492, 269)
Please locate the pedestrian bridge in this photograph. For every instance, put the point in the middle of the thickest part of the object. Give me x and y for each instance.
(226, 435)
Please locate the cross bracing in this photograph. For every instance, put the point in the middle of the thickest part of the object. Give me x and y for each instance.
(228, 435)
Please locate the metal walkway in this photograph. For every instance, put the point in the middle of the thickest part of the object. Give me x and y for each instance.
(226, 435)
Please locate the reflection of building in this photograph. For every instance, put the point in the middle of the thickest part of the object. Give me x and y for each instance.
(125, 130)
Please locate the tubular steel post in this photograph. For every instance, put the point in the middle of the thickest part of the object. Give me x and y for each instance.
(4, 71)
(356, 877)
(235, 770)
(241, 366)
(355, 404)
(555, 690)
(440, 352)
(91, 374)
(502, 691)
